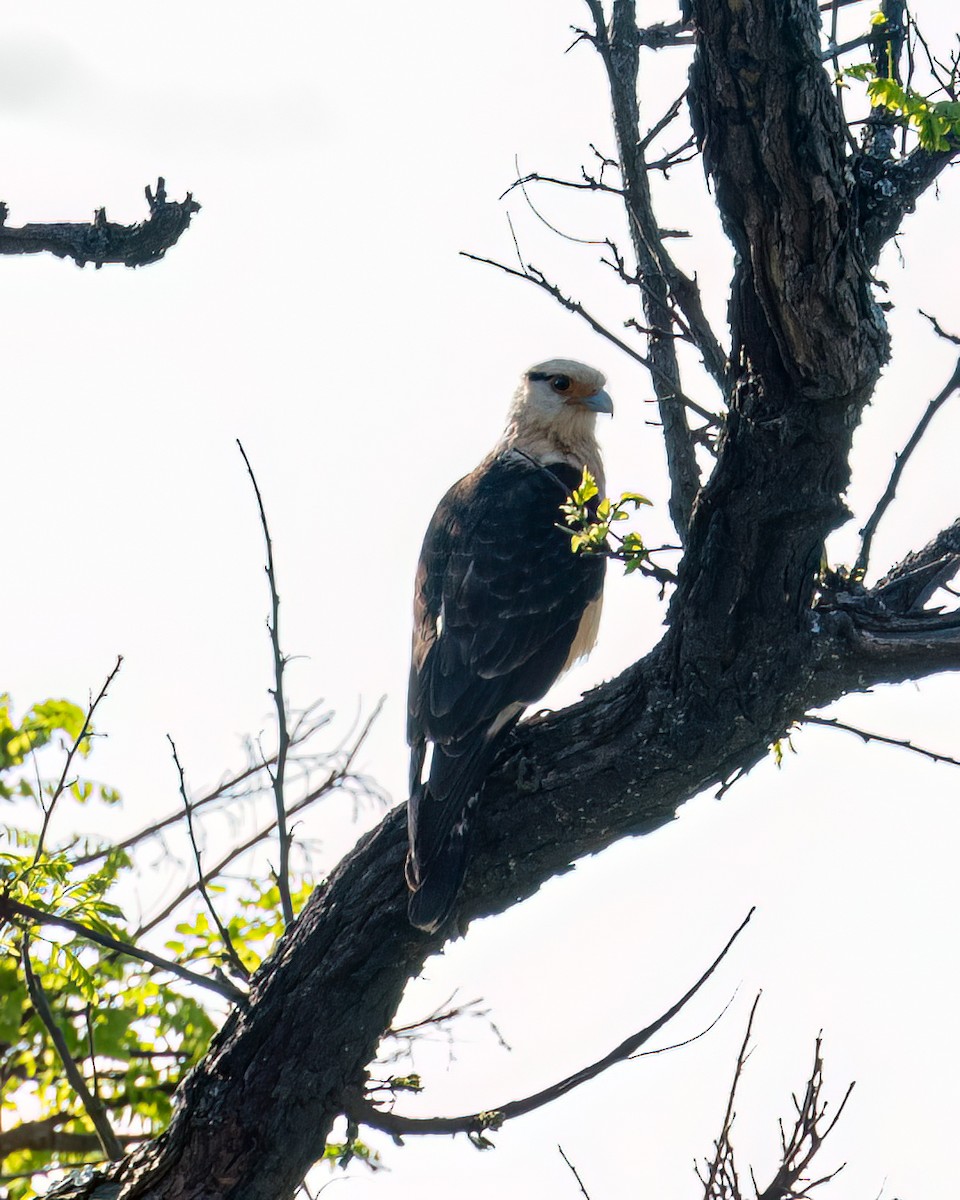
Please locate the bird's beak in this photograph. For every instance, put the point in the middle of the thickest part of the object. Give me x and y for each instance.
(599, 402)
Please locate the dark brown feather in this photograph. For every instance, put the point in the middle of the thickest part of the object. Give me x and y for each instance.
(498, 603)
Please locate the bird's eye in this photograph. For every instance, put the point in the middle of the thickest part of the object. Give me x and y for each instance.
(560, 383)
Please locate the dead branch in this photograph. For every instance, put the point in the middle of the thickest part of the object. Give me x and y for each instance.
(806, 1138)
(618, 46)
(721, 1178)
(105, 241)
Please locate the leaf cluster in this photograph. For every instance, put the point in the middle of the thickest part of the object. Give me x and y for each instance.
(936, 122)
(589, 524)
(132, 1029)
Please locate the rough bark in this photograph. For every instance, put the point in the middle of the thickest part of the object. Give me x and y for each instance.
(751, 647)
(105, 241)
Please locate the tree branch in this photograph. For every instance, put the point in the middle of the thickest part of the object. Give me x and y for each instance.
(868, 531)
(619, 49)
(283, 736)
(474, 1124)
(91, 1103)
(13, 908)
(889, 189)
(333, 781)
(78, 741)
(534, 276)
(865, 736)
(304, 731)
(46, 1135)
(104, 241)
(228, 946)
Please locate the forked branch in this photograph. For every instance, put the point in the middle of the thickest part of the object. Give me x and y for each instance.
(720, 1176)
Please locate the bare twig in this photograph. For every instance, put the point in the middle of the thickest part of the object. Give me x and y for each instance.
(105, 241)
(305, 729)
(868, 531)
(283, 737)
(441, 1021)
(91, 1103)
(534, 276)
(62, 782)
(521, 182)
(587, 184)
(575, 1172)
(720, 1179)
(668, 117)
(866, 736)
(13, 908)
(806, 1138)
(475, 1124)
(939, 330)
(332, 782)
(228, 946)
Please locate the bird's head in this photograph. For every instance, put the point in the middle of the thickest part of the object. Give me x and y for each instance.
(554, 412)
(561, 389)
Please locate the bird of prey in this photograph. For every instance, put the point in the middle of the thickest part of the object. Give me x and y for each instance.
(502, 607)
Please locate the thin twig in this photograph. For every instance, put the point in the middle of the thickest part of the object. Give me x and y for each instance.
(576, 1173)
(62, 783)
(866, 736)
(474, 1124)
(223, 987)
(534, 276)
(867, 532)
(283, 738)
(587, 184)
(521, 182)
(723, 1155)
(668, 117)
(939, 330)
(228, 946)
(333, 780)
(303, 731)
(91, 1103)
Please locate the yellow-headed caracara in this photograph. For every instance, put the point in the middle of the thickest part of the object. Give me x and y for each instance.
(502, 607)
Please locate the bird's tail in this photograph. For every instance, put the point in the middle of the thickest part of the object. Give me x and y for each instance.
(434, 870)
(434, 890)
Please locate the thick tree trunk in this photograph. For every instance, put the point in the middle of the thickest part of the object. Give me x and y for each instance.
(750, 648)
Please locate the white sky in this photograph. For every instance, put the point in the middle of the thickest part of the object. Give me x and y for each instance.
(318, 310)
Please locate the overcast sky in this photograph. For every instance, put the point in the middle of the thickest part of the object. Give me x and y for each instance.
(318, 310)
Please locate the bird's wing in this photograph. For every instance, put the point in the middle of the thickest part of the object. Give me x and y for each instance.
(499, 602)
